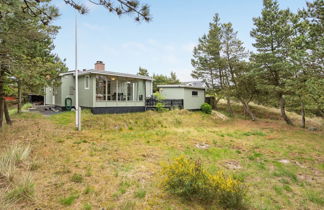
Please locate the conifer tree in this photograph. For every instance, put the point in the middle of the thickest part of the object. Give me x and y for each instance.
(315, 47)
(160, 79)
(25, 51)
(37, 8)
(272, 35)
(143, 72)
(236, 71)
(207, 59)
(314, 16)
(306, 56)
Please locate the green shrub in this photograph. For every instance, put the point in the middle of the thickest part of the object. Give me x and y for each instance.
(158, 96)
(206, 108)
(77, 178)
(160, 107)
(188, 179)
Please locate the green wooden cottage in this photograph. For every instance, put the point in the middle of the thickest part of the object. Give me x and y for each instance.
(102, 91)
(192, 96)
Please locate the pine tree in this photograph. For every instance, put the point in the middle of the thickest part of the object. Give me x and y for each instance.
(37, 8)
(25, 52)
(240, 83)
(160, 79)
(315, 47)
(272, 34)
(207, 59)
(143, 72)
(298, 56)
(306, 56)
(314, 16)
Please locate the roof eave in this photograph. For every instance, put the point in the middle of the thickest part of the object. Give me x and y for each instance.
(116, 74)
(121, 75)
(181, 86)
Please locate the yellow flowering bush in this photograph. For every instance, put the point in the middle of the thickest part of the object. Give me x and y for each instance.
(188, 179)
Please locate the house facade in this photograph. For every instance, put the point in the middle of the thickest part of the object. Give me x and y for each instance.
(193, 97)
(102, 91)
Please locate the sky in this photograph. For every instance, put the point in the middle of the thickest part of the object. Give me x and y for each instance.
(163, 45)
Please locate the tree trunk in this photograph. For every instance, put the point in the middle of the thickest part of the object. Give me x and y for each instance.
(216, 102)
(248, 110)
(19, 98)
(282, 103)
(303, 119)
(229, 107)
(6, 112)
(1, 96)
(1, 111)
(3, 104)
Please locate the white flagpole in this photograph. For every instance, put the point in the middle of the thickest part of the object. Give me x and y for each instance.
(77, 114)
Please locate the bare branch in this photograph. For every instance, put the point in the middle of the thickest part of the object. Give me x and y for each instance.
(121, 7)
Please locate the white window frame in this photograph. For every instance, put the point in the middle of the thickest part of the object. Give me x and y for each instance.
(87, 77)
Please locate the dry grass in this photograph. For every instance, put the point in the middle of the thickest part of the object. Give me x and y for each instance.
(271, 113)
(22, 191)
(119, 159)
(15, 185)
(10, 159)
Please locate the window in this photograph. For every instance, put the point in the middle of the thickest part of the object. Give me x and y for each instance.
(86, 81)
(111, 89)
(122, 89)
(140, 90)
(130, 92)
(195, 93)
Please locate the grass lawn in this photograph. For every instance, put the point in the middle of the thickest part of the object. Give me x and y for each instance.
(115, 161)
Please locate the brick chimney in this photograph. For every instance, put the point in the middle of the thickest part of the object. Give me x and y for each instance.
(99, 65)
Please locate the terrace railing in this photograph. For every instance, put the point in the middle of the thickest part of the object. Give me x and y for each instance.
(150, 103)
